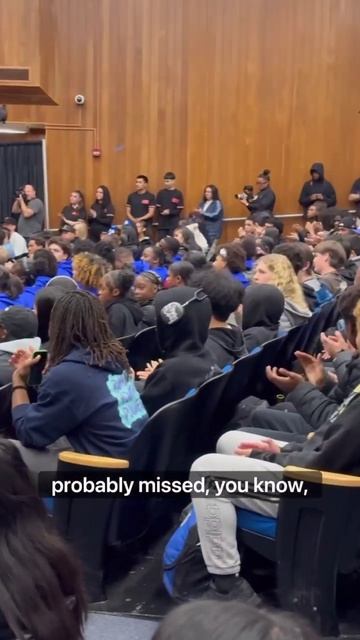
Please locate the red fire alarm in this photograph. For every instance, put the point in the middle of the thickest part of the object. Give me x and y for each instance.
(96, 152)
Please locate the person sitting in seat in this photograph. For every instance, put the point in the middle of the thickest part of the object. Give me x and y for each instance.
(146, 286)
(16, 325)
(89, 269)
(123, 312)
(301, 257)
(87, 400)
(263, 306)
(182, 320)
(180, 274)
(11, 288)
(225, 341)
(277, 270)
(42, 593)
(62, 253)
(43, 267)
(329, 258)
(232, 257)
(334, 447)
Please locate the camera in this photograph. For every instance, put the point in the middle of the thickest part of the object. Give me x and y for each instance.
(247, 193)
(79, 99)
(20, 192)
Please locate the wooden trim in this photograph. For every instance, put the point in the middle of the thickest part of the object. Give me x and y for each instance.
(99, 462)
(322, 477)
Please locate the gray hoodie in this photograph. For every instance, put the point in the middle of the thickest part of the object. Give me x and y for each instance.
(293, 316)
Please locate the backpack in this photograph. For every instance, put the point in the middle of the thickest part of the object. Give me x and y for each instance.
(185, 575)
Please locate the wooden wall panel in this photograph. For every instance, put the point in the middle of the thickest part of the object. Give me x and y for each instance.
(215, 90)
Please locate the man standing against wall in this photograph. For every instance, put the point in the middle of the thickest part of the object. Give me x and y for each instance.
(31, 210)
(169, 204)
(141, 203)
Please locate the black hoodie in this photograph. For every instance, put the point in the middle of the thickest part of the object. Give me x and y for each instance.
(263, 307)
(317, 186)
(226, 344)
(186, 362)
(124, 316)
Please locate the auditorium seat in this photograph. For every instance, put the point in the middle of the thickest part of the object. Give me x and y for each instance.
(144, 348)
(317, 539)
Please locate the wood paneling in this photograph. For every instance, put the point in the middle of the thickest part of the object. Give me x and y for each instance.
(215, 90)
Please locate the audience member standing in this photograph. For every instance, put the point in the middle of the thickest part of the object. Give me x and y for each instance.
(264, 200)
(101, 214)
(169, 204)
(354, 197)
(317, 189)
(212, 211)
(141, 203)
(75, 210)
(31, 210)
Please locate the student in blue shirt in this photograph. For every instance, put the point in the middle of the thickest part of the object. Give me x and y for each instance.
(153, 259)
(232, 257)
(43, 268)
(62, 253)
(10, 288)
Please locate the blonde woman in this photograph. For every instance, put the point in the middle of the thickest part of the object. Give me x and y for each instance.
(88, 270)
(277, 270)
(81, 230)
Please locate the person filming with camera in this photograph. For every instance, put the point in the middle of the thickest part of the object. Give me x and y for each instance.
(263, 200)
(31, 210)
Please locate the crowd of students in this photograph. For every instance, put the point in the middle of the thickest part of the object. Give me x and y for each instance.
(211, 304)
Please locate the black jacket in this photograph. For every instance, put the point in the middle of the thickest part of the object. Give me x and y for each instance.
(263, 307)
(124, 316)
(226, 345)
(265, 201)
(335, 444)
(187, 364)
(319, 186)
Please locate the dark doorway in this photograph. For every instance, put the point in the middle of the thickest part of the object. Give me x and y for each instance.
(20, 163)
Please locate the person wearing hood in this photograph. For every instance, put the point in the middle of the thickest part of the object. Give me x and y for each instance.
(182, 320)
(87, 400)
(276, 269)
(62, 253)
(123, 312)
(18, 327)
(263, 306)
(317, 189)
(225, 341)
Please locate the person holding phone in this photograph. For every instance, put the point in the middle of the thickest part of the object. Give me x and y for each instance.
(317, 189)
(87, 400)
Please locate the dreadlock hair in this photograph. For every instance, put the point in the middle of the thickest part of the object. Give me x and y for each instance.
(78, 319)
(89, 268)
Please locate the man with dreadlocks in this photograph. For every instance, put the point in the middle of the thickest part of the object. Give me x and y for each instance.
(87, 400)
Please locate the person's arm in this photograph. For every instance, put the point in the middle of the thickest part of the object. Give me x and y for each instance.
(158, 391)
(151, 209)
(16, 206)
(313, 405)
(128, 210)
(106, 218)
(304, 198)
(52, 416)
(330, 195)
(216, 210)
(31, 209)
(265, 203)
(354, 195)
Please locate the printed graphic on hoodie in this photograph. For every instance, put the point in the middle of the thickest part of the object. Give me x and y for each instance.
(130, 407)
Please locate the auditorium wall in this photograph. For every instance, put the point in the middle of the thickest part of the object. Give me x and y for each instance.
(215, 90)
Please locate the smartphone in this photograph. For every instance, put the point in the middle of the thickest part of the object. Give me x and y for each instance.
(36, 371)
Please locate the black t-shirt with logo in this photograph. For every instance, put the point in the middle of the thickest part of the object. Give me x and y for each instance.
(74, 213)
(173, 200)
(140, 203)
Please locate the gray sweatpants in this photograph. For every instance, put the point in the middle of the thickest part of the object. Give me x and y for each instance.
(216, 517)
